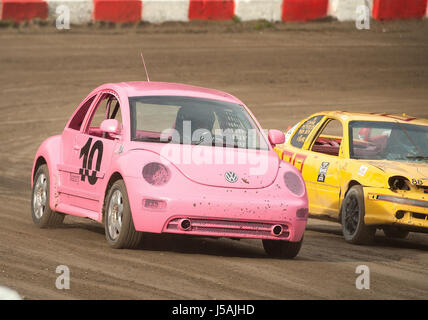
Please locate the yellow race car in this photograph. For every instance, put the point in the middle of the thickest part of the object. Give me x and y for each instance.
(367, 170)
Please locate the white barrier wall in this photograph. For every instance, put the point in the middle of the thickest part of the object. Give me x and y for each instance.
(270, 10)
(80, 10)
(346, 10)
(158, 11)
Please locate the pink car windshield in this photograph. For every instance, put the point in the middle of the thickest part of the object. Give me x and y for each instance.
(196, 121)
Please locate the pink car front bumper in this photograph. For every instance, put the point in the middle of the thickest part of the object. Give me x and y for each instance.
(219, 212)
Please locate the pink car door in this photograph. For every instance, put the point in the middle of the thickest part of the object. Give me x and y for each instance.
(88, 157)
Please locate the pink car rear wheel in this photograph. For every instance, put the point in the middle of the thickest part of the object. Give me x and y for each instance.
(119, 226)
(41, 212)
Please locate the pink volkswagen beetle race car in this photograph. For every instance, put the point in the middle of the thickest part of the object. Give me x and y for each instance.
(170, 158)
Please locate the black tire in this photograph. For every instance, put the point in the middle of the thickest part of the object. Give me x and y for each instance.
(42, 215)
(125, 236)
(395, 233)
(353, 211)
(282, 249)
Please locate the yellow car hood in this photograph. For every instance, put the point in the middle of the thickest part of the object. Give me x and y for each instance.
(410, 170)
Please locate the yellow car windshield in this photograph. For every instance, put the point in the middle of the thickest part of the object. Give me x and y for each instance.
(377, 140)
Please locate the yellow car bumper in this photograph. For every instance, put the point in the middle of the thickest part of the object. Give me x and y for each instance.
(404, 208)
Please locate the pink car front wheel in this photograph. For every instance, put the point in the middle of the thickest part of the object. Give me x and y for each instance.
(119, 226)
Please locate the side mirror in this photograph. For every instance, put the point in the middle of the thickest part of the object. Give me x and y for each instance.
(276, 137)
(110, 126)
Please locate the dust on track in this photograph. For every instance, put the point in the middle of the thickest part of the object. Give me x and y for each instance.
(283, 73)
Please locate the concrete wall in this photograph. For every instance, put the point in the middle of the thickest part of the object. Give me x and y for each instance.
(155, 11)
(269, 10)
(158, 11)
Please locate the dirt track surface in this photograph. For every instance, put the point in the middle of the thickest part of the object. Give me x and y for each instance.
(283, 75)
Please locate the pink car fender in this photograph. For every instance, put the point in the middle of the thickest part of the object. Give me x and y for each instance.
(48, 153)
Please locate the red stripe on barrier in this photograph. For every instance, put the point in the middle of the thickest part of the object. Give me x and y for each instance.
(303, 10)
(22, 10)
(399, 9)
(118, 10)
(211, 9)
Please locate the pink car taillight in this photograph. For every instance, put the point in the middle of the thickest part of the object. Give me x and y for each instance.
(294, 183)
(156, 173)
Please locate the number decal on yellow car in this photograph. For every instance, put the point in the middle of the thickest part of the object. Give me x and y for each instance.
(417, 182)
(299, 159)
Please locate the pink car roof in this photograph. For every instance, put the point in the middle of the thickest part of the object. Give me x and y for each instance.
(152, 88)
(144, 88)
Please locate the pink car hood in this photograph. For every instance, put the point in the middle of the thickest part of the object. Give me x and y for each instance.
(204, 164)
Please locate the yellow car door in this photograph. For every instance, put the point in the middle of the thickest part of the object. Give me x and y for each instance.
(315, 148)
(321, 173)
(321, 169)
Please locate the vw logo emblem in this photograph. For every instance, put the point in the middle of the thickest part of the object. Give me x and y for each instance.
(231, 176)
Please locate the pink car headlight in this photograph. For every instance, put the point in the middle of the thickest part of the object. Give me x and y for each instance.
(156, 173)
(294, 183)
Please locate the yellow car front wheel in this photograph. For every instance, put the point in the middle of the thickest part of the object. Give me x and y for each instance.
(353, 210)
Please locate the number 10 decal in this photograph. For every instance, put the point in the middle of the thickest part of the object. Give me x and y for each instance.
(88, 154)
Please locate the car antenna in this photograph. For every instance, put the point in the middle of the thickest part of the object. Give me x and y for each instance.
(144, 64)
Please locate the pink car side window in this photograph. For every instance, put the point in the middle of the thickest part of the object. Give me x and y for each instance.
(108, 108)
(78, 118)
